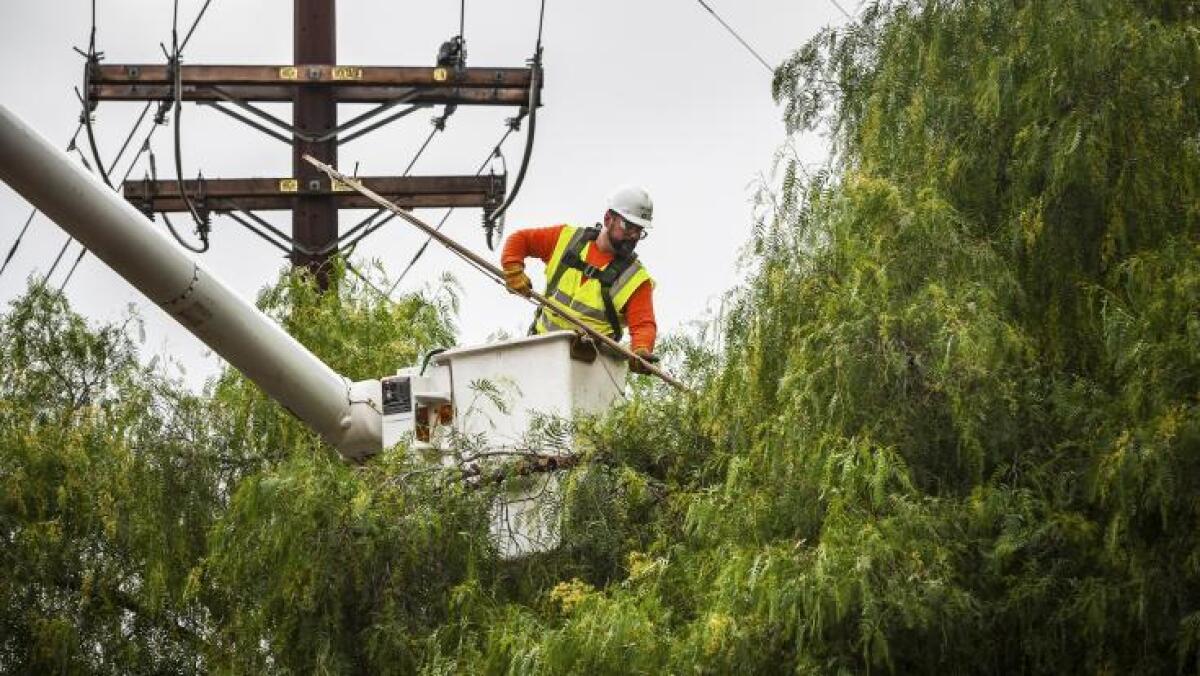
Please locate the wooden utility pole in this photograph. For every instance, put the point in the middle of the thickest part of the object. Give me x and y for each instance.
(315, 84)
(314, 217)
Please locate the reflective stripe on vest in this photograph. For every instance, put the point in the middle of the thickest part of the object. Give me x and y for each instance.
(583, 299)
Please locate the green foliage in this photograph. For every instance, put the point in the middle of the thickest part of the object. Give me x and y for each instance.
(357, 331)
(334, 568)
(128, 506)
(105, 498)
(315, 564)
(951, 423)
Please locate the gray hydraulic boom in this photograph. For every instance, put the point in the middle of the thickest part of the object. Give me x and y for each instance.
(346, 414)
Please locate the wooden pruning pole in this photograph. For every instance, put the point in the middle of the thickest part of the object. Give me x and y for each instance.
(489, 268)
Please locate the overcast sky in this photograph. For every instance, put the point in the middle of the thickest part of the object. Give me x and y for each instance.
(654, 93)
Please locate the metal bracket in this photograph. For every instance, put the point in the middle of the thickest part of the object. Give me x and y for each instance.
(332, 134)
(387, 120)
(248, 122)
(261, 222)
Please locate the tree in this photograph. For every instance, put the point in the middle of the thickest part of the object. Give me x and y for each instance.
(950, 423)
(955, 425)
(105, 503)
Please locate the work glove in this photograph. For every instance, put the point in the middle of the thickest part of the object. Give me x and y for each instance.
(636, 366)
(516, 280)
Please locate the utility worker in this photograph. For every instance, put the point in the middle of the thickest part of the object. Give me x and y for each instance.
(593, 272)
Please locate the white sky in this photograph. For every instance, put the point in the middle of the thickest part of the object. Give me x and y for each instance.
(648, 92)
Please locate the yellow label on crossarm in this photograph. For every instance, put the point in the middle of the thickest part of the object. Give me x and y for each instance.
(440, 75)
(338, 186)
(289, 73)
(347, 73)
(289, 185)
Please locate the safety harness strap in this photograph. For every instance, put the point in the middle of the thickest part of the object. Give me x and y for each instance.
(573, 258)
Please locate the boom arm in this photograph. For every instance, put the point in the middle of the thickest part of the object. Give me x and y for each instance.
(345, 414)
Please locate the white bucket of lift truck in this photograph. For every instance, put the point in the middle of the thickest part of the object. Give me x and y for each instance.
(498, 410)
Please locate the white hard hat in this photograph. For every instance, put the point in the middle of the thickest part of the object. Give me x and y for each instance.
(633, 204)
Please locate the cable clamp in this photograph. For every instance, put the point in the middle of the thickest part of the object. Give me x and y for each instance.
(204, 226)
(160, 115)
(146, 203)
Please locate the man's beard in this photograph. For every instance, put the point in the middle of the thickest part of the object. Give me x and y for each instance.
(624, 248)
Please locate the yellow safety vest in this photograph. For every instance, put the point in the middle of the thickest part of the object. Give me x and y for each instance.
(600, 301)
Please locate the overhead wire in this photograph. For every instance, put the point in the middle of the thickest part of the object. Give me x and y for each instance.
(71, 272)
(367, 223)
(143, 149)
(842, 9)
(371, 285)
(734, 33)
(17, 243)
(433, 132)
(199, 15)
(129, 137)
(849, 15)
(420, 252)
(12, 251)
(368, 226)
(83, 159)
(63, 249)
(175, 64)
(58, 258)
(494, 153)
(439, 125)
(495, 220)
(255, 230)
(93, 58)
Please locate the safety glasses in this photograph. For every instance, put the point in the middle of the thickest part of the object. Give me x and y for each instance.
(634, 231)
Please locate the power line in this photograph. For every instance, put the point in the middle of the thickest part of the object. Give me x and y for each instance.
(58, 258)
(420, 252)
(12, 251)
(535, 67)
(128, 138)
(735, 35)
(439, 125)
(195, 23)
(513, 125)
(132, 163)
(17, 243)
(71, 272)
(175, 64)
(848, 15)
(91, 59)
(86, 121)
(145, 147)
(842, 9)
(541, 20)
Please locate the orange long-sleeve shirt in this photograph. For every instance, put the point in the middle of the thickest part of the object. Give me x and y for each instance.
(540, 242)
